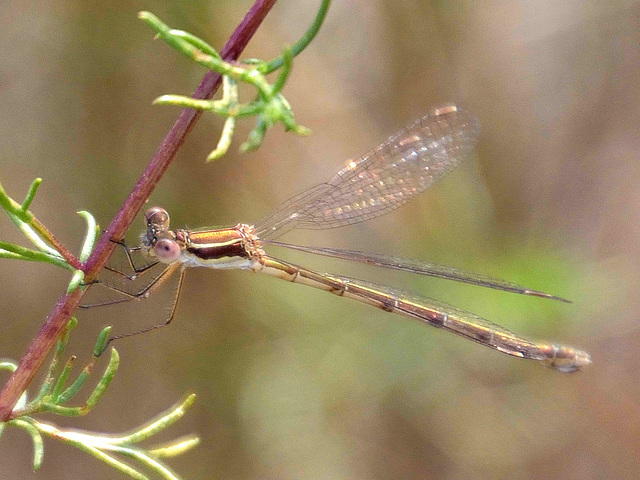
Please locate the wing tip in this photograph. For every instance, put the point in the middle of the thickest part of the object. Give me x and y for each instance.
(536, 293)
(445, 109)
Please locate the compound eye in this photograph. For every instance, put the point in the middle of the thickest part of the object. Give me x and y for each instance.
(167, 250)
(158, 218)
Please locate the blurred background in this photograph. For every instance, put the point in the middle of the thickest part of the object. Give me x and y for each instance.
(293, 383)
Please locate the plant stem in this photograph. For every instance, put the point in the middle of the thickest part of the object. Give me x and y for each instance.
(55, 243)
(301, 44)
(57, 320)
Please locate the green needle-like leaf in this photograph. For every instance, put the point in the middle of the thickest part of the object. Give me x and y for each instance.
(31, 194)
(62, 379)
(101, 342)
(175, 449)
(36, 438)
(158, 425)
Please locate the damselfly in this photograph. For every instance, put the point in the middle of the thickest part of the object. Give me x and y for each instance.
(405, 165)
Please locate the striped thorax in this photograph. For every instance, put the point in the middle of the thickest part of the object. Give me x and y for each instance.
(236, 247)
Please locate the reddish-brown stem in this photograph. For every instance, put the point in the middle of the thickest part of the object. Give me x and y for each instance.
(48, 334)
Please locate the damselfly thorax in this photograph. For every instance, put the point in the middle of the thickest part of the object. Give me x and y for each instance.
(226, 248)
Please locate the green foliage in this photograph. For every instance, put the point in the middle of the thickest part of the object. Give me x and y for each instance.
(269, 106)
(42, 239)
(53, 397)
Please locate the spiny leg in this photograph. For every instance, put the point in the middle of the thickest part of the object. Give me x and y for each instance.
(169, 318)
(138, 271)
(141, 294)
(144, 293)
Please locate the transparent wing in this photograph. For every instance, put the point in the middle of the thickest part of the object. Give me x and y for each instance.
(432, 312)
(405, 165)
(422, 268)
(563, 358)
(450, 318)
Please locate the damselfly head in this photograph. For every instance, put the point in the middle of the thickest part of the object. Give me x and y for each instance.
(158, 241)
(157, 218)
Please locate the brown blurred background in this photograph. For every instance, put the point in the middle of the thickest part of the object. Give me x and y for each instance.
(293, 383)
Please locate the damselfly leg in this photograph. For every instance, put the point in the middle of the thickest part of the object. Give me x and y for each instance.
(143, 293)
(137, 271)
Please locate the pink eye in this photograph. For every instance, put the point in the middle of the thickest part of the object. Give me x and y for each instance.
(167, 250)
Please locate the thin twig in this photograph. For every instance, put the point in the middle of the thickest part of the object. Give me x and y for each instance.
(57, 320)
(55, 243)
